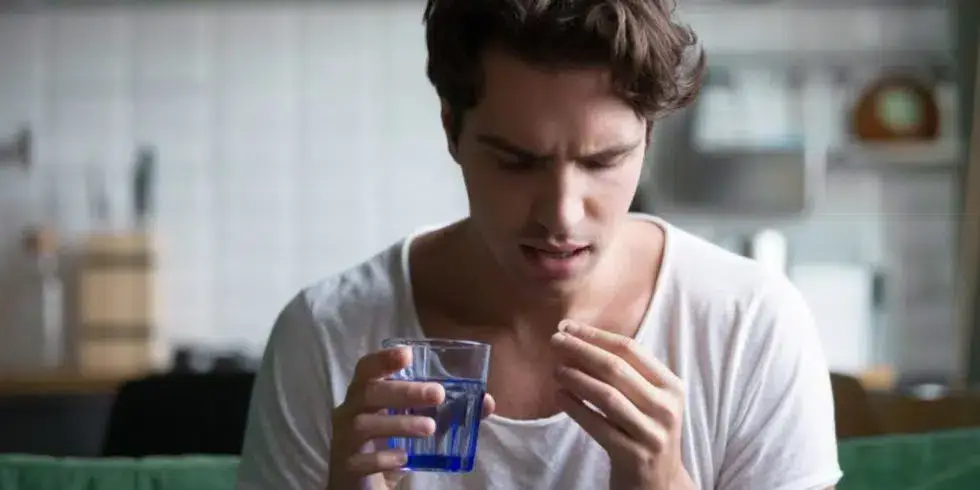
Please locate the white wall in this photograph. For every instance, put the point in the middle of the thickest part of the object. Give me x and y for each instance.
(294, 139)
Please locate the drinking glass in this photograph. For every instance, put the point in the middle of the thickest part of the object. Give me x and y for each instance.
(460, 366)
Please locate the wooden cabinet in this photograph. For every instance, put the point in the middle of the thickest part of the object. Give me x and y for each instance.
(969, 250)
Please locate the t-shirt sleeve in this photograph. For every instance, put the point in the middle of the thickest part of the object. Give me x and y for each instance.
(287, 436)
(781, 430)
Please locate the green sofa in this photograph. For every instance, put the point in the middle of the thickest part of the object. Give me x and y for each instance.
(942, 460)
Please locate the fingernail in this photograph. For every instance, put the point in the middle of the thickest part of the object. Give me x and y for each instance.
(432, 392)
(401, 458)
(426, 426)
(558, 337)
(568, 326)
(401, 356)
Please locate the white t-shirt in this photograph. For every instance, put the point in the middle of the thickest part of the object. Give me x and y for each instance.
(759, 411)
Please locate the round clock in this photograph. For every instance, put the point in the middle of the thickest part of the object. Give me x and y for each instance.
(896, 109)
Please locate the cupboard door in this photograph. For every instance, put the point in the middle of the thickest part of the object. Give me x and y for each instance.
(970, 247)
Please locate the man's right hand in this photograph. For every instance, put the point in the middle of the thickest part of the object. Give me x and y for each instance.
(359, 456)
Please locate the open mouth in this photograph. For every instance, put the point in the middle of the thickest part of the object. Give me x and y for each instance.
(551, 254)
(555, 254)
(555, 263)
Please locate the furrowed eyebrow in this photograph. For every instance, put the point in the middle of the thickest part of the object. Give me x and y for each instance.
(505, 146)
(612, 152)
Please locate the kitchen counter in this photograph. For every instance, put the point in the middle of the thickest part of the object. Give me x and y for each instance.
(59, 383)
(57, 413)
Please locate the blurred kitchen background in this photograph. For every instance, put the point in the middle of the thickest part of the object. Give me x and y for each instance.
(172, 173)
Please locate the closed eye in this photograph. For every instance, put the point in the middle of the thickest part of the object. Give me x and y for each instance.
(604, 163)
(596, 166)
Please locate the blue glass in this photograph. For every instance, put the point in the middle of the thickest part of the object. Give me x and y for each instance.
(461, 368)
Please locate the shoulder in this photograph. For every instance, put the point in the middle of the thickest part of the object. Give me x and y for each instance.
(365, 287)
(309, 359)
(711, 273)
(345, 309)
(753, 318)
(749, 350)
(734, 300)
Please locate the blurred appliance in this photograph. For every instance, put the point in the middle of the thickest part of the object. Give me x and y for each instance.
(201, 359)
(840, 297)
(738, 150)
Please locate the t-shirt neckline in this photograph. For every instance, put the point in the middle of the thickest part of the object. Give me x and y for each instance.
(414, 325)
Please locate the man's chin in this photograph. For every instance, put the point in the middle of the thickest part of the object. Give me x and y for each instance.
(554, 291)
(550, 288)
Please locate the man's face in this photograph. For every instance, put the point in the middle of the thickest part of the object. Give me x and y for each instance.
(551, 161)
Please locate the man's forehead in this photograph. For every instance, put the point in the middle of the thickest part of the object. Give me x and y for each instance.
(503, 70)
(535, 122)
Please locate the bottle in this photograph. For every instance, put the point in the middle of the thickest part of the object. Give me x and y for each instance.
(42, 245)
(770, 248)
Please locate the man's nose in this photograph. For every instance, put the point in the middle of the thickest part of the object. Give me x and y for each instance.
(560, 204)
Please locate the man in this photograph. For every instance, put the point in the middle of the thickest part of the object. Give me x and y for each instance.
(627, 354)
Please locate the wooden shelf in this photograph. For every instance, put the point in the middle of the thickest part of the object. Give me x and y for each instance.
(914, 157)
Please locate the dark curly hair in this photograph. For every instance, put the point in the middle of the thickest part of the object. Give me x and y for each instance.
(656, 63)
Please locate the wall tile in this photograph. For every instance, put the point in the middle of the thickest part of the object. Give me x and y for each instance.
(173, 47)
(90, 129)
(90, 50)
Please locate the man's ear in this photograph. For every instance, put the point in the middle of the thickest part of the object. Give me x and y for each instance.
(450, 127)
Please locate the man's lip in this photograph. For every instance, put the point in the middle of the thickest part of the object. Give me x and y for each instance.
(557, 249)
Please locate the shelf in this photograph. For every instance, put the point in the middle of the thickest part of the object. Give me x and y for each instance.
(890, 157)
(931, 60)
(59, 382)
(738, 151)
(818, 4)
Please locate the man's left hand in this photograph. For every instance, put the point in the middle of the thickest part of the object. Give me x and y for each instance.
(638, 405)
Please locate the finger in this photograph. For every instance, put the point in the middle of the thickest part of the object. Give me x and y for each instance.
(609, 368)
(617, 409)
(394, 476)
(363, 464)
(391, 394)
(608, 436)
(626, 347)
(381, 364)
(489, 405)
(369, 426)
